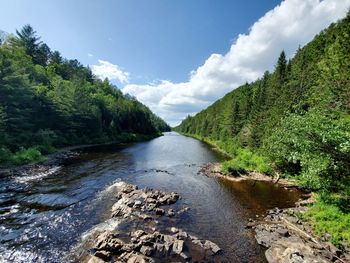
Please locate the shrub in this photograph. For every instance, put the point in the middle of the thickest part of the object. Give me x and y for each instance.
(246, 161)
(29, 155)
(329, 219)
(316, 145)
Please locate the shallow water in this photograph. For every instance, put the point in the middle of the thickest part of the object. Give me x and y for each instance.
(42, 217)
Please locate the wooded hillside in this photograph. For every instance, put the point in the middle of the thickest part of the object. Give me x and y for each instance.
(47, 101)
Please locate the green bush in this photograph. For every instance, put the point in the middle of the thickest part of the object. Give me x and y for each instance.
(316, 147)
(329, 219)
(246, 161)
(24, 156)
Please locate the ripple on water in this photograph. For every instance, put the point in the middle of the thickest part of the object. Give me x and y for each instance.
(25, 177)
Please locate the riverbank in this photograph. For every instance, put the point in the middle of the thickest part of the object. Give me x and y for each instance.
(284, 232)
(66, 154)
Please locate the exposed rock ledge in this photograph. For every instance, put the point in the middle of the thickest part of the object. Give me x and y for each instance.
(214, 170)
(289, 240)
(141, 245)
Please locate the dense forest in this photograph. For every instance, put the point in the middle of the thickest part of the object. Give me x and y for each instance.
(47, 102)
(294, 121)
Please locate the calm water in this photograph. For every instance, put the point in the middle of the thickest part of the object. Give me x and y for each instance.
(43, 217)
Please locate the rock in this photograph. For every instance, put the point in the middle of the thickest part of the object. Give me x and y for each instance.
(159, 211)
(182, 235)
(160, 249)
(197, 242)
(94, 259)
(212, 246)
(138, 233)
(136, 259)
(185, 209)
(127, 188)
(108, 242)
(185, 256)
(174, 229)
(283, 232)
(105, 255)
(171, 213)
(137, 204)
(120, 210)
(149, 207)
(146, 250)
(178, 246)
(250, 225)
(292, 252)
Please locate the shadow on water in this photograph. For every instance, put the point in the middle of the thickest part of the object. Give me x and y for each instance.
(43, 217)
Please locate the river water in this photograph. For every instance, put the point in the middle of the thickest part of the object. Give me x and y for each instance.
(43, 216)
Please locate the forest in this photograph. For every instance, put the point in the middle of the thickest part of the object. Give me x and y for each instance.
(48, 102)
(293, 122)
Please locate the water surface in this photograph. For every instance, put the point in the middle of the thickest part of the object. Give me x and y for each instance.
(42, 217)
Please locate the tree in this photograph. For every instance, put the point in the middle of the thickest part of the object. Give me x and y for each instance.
(30, 41)
(281, 68)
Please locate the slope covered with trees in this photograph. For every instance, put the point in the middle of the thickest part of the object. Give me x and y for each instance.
(294, 121)
(47, 101)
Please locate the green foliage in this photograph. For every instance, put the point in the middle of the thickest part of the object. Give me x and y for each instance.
(329, 219)
(315, 146)
(246, 160)
(297, 116)
(29, 155)
(47, 101)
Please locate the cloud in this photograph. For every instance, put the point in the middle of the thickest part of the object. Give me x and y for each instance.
(106, 69)
(288, 25)
(90, 55)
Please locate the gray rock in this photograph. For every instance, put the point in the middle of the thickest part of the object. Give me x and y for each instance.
(212, 246)
(178, 246)
(171, 213)
(159, 211)
(94, 259)
(146, 250)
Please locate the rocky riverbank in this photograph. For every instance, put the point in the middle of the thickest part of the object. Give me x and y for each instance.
(36, 169)
(214, 170)
(287, 238)
(144, 241)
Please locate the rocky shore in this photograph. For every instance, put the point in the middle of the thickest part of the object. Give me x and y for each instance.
(214, 170)
(53, 160)
(145, 242)
(287, 238)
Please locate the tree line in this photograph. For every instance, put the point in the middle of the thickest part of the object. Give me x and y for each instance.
(47, 101)
(295, 119)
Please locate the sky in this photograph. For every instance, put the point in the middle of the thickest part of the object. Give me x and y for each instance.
(177, 57)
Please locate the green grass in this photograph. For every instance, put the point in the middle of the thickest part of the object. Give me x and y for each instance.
(330, 219)
(243, 160)
(246, 161)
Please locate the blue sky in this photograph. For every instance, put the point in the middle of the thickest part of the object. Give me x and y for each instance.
(179, 56)
(157, 39)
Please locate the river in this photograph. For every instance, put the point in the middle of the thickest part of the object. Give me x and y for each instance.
(43, 217)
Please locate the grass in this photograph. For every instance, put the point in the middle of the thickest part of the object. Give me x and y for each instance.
(329, 219)
(246, 161)
(242, 160)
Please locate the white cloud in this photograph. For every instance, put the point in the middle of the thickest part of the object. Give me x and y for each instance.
(288, 25)
(106, 69)
(90, 55)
